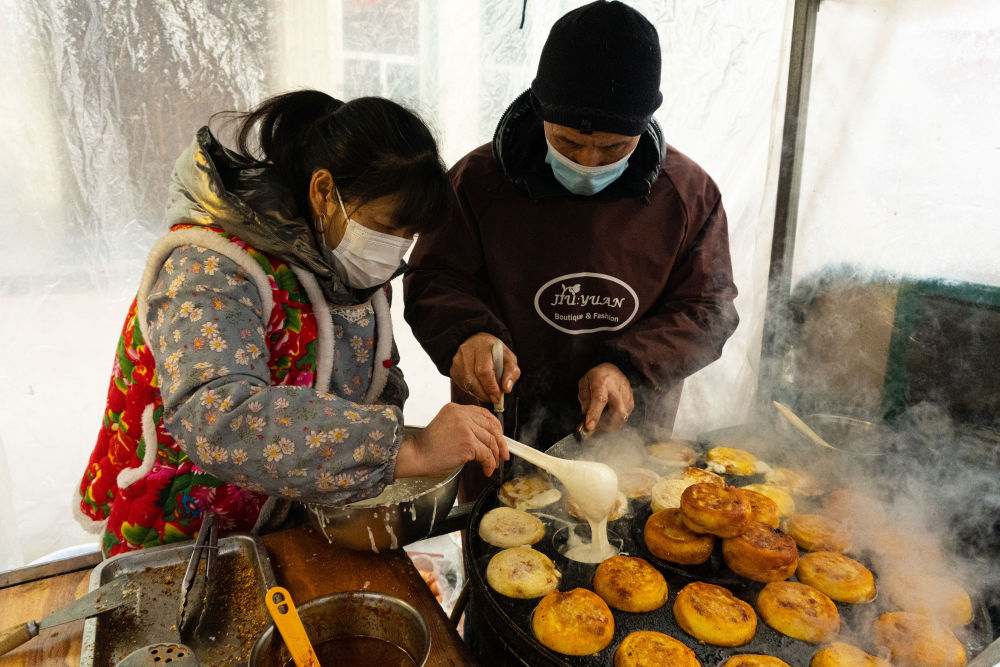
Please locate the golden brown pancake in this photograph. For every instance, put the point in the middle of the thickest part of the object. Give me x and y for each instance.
(507, 527)
(915, 640)
(528, 492)
(762, 508)
(637, 483)
(900, 548)
(781, 497)
(842, 578)
(797, 482)
(667, 491)
(577, 622)
(712, 614)
(731, 461)
(798, 610)
(815, 532)
(630, 584)
(717, 510)
(668, 538)
(702, 476)
(646, 648)
(937, 596)
(856, 507)
(754, 660)
(839, 654)
(761, 553)
(522, 572)
(672, 453)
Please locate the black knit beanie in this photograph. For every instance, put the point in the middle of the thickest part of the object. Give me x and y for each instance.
(600, 70)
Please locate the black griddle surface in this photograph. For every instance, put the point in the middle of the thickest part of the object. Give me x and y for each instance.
(513, 616)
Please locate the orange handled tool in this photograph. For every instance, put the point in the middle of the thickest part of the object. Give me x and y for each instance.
(286, 618)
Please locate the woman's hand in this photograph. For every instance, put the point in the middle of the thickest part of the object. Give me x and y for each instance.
(457, 434)
(603, 386)
(472, 368)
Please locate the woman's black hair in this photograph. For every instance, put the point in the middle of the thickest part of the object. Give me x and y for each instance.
(370, 145)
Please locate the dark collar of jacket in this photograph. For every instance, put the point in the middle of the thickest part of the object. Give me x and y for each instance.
(211, 185)
(519, 148)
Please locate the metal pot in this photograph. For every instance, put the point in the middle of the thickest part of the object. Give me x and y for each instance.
(351, 614)
(407, 511)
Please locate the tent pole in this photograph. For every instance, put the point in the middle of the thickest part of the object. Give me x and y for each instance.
(774, 344)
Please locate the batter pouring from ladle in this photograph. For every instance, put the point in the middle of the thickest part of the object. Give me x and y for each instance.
(594, 488)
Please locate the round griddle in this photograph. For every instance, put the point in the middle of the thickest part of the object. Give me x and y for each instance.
(510, 618)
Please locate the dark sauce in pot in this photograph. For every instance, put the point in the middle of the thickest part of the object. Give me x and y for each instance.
(359, 652)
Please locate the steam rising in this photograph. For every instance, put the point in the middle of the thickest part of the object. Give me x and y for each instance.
(898, 375)
(922, 500)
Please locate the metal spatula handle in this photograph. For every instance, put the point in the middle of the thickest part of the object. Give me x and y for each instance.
(498, 371)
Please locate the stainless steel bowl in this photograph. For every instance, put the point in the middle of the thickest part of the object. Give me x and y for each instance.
(347, 615)
(377, 524)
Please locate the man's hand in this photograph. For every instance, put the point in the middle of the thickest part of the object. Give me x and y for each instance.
(457, 434)
(603, 386)
(472, 368)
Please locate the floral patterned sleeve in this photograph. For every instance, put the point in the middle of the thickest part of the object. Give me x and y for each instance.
(207, 334)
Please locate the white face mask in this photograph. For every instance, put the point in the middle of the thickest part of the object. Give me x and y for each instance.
(367, 258)
(581, 180)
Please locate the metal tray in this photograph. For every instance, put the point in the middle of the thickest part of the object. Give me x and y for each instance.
(236, 615)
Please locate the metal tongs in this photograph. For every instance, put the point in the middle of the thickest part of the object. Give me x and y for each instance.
(197, 583)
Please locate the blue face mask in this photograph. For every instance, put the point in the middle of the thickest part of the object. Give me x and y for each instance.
(581, 180)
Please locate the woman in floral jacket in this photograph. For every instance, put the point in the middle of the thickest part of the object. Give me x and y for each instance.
(256, 363)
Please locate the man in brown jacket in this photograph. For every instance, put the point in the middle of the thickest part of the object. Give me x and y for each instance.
(594, 251)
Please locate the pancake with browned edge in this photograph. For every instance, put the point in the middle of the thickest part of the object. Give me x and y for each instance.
(647, 648)
(577, 622)
(761, 553)
(630, 584)
(712, 614)
(839, 654)
(754, 660)
(915, 640)
(798, 610)
(716, 510)
(841, 577)
(668, 538)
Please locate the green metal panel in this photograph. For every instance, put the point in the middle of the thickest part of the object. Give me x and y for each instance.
(945, 349)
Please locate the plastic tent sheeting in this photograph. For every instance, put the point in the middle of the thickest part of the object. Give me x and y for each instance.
(902, 149)
(101, 96)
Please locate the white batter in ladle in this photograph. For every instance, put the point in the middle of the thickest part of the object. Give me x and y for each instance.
(593, 487)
